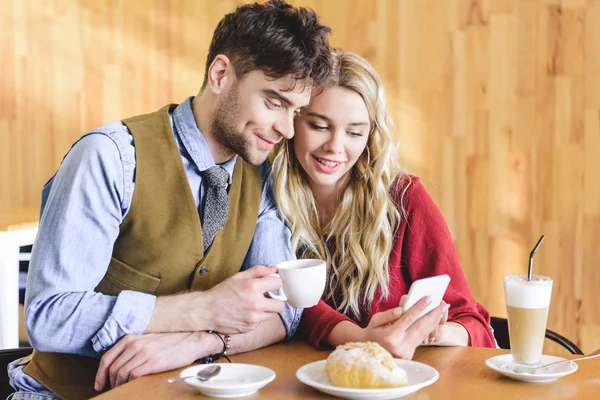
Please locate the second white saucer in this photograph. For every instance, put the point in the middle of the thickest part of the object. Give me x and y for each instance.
(501, 364)
(234, 380)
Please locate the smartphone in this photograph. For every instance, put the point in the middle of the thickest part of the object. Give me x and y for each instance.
(434, 287)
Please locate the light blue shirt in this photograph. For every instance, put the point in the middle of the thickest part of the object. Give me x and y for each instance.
(82, 208)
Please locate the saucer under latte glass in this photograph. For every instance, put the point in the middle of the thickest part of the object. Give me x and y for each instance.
(527, 303)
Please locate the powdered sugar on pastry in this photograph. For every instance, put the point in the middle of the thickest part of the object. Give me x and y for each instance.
(364, 365)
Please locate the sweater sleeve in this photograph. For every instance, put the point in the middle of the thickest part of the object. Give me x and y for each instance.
(317, 323)
(428, 250)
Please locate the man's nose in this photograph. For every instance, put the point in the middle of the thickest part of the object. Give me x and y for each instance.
(285, 126)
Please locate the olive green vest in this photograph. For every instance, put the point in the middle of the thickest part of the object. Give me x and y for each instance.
(159, 248)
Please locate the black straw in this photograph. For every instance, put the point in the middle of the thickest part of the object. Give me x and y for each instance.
(531, 257)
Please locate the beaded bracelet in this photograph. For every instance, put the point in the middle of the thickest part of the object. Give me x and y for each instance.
(214, 357)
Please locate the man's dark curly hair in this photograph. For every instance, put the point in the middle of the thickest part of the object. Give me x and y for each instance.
(276, 38)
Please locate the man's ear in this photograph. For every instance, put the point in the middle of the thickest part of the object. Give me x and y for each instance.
(219, 74)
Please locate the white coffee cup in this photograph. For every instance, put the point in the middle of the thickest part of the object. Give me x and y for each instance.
(303, 282)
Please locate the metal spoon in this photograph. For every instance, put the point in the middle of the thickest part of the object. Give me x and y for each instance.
(204, 374)
(592, 355)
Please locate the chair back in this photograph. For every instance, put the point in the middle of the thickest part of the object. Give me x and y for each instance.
(6, 357)
(500, 326)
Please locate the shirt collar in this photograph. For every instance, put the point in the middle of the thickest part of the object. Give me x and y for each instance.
(185, 127)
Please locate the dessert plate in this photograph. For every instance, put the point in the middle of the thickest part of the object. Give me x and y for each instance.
(419, 376)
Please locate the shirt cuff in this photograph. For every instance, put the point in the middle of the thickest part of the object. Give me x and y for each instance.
(291, 319)
(130, 316)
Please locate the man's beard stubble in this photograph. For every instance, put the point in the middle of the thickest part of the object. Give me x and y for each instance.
(225, 132)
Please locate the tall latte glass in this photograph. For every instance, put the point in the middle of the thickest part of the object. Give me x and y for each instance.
(527, 304)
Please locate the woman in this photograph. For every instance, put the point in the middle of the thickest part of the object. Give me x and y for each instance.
(345, 200)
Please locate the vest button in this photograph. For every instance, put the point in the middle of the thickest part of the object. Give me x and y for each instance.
(203, 270)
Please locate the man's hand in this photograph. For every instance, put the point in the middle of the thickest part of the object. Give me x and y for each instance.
(238, 304)
(137, 355)
(402, 332)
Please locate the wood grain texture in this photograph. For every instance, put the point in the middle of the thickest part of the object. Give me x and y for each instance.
(497, 104)
(463, 375)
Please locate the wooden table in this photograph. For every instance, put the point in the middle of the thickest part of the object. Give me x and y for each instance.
(463, 375)
(17, 228)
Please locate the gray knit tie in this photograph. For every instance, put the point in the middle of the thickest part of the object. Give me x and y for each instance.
(216, 203)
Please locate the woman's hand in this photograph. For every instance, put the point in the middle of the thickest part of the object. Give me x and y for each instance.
(400, 332)
(447, 333)
(438, 334)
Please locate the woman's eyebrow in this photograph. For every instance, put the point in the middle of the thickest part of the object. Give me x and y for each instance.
(314, 114)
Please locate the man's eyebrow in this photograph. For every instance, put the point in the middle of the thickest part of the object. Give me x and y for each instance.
(275, 93)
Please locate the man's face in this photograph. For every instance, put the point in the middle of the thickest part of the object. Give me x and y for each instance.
(257, 112)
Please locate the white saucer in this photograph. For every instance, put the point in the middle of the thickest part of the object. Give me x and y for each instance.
(501, 364)
(234, 380)
(419, 376)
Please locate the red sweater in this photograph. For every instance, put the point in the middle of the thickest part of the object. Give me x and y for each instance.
(423, 248)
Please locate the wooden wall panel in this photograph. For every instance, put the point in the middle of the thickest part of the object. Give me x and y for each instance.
(497, 104)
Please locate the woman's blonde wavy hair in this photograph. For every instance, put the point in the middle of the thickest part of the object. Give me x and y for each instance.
(361, 233)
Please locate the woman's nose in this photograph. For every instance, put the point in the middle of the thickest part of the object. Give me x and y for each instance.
(335, 143)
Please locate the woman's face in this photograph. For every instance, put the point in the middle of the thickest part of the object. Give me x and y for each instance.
(331, 134)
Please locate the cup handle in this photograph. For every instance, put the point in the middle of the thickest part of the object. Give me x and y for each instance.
(278, 294)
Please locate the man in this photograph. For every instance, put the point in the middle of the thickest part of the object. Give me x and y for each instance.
(148, 220)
